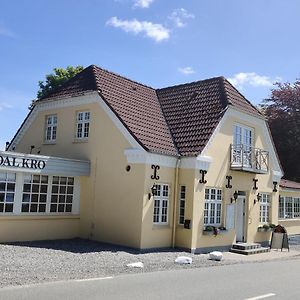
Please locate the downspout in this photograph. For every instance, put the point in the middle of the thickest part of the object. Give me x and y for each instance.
(175, 197)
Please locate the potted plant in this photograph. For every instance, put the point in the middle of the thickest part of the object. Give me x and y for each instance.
(266, 227)
(208, 230)
(272, 226)
(222, 229)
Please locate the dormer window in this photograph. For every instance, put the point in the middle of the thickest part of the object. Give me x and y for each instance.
(82, 124)
(51, 128)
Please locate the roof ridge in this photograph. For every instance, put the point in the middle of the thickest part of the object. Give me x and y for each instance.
(121, 76)
(192, 82)
(224, 97)
(167, 123)
(227, 81)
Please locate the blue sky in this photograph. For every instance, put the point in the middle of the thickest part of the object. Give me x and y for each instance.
(158, 43)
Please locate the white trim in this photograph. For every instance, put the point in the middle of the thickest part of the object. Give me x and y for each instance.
(276, 176)
(57, 103)
(138, 156)
(201, 162)
(254, 121)
(288, 190)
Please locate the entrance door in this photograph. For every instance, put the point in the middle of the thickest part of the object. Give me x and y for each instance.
(240, 219)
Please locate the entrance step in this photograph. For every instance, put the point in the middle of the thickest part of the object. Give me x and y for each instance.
(248, 248)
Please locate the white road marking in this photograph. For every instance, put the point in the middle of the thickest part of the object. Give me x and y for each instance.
(261, 297)
(93, 279)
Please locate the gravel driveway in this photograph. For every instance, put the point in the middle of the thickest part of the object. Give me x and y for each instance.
(34, 262)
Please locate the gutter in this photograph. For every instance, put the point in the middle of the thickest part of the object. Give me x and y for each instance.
(175, 190)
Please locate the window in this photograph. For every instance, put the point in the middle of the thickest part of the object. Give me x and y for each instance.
(7, 192)
(265, 204)
(62, 194)
(161, 201)
(82, 124)
(51, 128)
(289, 207)
(242, 145)
(34, 194)
(212, 207)
(182, 204)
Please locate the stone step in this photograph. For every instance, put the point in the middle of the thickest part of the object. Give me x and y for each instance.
(250, 251)
(246, 246)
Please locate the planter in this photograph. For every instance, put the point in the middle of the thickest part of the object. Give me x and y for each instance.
(261, 229)
(209, 232)
(206, 232)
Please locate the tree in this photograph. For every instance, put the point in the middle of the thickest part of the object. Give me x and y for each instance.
(282, 110)
(54, 81)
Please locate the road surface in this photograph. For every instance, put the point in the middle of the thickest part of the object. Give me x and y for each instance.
(265, 280)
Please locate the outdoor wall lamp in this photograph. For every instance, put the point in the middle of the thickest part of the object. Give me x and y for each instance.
(257, 198)
(235, 196)
(153, 191)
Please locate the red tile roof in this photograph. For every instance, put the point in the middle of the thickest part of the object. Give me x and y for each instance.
(289, 184)
(176, 120)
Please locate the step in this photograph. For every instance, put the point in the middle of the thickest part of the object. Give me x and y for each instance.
(246, 246)
(250, 251)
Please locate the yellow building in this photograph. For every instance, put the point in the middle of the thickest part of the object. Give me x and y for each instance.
(107, 158)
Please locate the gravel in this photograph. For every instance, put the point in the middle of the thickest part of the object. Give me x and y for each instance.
(35, 262)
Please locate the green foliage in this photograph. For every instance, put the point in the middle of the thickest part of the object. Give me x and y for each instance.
(283, 113)
(56, 79)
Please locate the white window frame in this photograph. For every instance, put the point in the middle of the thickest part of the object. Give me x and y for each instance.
(289, 207)
(82, 125)
(243, 141)
(30, 180)
(264, 208)
(161, 204)
(7, 178)
(51, 128)
(181, 205)
(213, 206)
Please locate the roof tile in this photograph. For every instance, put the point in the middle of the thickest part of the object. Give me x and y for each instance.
(177, 120)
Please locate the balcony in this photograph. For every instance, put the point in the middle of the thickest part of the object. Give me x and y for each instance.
(249, 159)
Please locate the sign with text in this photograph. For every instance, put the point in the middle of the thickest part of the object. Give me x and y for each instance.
(21, 162)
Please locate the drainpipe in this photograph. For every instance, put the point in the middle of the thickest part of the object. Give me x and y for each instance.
(175, 197)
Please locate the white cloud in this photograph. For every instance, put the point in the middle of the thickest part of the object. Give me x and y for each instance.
(2, 145)
(187, 70)
(253, 79)
(4, 105)
(6, 32)
(142, 3)
(179, 16)
(157, 32)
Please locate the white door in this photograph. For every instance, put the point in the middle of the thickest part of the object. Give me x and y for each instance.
(240, 219)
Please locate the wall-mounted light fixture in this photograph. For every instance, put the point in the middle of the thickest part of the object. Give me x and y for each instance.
(235, 196)
(31, 148)
(257, 198)
(153, 191)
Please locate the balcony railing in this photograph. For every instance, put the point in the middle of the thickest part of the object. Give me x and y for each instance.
(248, 158)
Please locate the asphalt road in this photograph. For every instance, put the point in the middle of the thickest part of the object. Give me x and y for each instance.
(265, 280)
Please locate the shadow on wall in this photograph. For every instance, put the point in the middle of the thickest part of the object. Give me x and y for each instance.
(85, 246)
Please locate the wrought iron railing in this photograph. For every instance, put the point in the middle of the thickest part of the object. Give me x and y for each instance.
(248, 158)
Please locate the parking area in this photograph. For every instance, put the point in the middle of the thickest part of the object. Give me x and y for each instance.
(35, 262)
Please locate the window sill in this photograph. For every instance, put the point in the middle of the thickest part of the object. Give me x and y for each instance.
(79, 141)
(289, 219)
(38, 216)
(50, 143)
